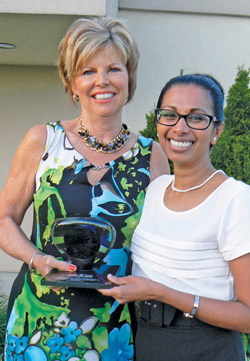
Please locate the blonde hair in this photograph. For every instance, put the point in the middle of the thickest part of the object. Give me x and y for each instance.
(85, 37)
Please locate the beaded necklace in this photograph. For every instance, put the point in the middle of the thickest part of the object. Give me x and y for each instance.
(196, 187)
(105, 147)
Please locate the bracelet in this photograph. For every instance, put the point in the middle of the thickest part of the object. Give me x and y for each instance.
(31, 261)
(195, 308)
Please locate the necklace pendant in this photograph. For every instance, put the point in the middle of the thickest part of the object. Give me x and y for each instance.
(105, 165)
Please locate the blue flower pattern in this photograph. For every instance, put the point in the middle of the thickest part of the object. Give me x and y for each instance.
(21, 344)
(66, 353)
(71, 332)
(119, 345)
(61, 342)
(55, 343)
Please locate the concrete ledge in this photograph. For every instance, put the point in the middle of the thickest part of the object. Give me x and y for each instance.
(222, 7)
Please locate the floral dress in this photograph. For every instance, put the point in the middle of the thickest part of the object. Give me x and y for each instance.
(75, 323)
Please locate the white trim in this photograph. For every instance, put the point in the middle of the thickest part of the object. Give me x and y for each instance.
(218, 7)
(112, 8)
(60, 7)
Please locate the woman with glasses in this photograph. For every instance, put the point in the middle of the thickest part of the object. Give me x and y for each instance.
(191, 249)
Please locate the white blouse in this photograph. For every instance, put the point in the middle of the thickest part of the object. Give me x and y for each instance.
(189, 251)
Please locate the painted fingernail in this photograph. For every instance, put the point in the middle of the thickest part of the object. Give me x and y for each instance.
(72, 267)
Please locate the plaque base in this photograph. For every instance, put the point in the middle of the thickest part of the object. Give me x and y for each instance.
(81, 279)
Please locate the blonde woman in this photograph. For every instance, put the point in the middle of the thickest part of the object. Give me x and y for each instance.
(92, 165)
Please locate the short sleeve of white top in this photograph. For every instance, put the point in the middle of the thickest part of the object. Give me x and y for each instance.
(189, 251)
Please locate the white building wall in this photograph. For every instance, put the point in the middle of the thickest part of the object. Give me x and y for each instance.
(168, 42)
(28, 96)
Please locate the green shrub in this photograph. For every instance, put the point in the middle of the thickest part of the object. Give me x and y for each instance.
(231, 152)
(150, 131)
(3, 315)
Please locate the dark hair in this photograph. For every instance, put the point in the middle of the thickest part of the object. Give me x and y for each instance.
(205, 81)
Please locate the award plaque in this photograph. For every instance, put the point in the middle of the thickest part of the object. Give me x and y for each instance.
(83, 241)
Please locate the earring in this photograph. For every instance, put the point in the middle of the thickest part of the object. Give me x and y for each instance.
(75, 97)
(215, 139)
(157, 134)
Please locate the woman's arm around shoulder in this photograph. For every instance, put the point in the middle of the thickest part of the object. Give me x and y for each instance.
(158, 162)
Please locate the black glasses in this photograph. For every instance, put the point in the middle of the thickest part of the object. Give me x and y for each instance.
(193, 120)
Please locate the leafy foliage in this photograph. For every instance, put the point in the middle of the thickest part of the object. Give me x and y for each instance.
(150, 131)
(3, 315)
(231, 152)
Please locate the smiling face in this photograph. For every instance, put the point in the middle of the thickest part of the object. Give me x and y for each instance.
(182, 144)
(102, 85)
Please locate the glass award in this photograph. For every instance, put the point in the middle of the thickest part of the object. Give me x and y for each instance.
(84, 242)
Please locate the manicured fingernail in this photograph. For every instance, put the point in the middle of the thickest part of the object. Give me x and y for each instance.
(72, 267)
